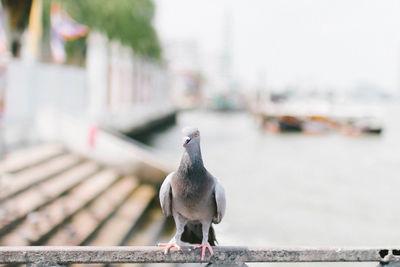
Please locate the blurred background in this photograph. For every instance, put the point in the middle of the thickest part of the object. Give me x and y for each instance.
(297, 103)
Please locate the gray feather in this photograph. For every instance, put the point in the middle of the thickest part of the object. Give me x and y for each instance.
(165, 195)
(220, 201)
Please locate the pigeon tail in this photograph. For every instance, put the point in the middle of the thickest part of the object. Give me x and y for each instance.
(193, 234)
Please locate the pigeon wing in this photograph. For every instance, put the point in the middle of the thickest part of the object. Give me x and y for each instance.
(165, 195)
(219, 194)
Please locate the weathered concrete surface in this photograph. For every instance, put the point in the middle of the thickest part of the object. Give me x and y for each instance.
(223, 255)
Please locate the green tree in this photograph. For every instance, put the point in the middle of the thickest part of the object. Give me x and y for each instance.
(129, 21)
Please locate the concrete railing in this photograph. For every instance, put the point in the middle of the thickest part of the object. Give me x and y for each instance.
(62, 255)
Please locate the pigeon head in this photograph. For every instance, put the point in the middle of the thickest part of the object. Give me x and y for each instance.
(191, 136)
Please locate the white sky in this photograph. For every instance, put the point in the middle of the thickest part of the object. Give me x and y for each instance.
(327, 43)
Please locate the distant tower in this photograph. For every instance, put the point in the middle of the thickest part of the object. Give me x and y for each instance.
(226, 53)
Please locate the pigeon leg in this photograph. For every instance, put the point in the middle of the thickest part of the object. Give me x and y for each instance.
(203, 249)
(204, 244)
(180, 227)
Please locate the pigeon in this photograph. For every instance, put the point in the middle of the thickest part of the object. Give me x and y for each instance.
(193, 197)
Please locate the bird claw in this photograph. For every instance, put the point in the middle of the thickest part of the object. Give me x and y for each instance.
(203, 249)
(168, 246)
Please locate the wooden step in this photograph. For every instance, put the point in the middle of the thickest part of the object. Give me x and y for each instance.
(116, 230)
(41, 224)
(84, 224)
(149, 233)
(168, 230)
(16, 209)
(23, 180)
(163, 236)
(28, 157)
(150, 229)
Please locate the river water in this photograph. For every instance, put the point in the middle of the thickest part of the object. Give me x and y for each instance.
(294, 189)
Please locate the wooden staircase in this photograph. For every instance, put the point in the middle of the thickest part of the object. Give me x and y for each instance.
(50, 196)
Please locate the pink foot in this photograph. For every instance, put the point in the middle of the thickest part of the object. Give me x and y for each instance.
(168, 246)
(203, 249)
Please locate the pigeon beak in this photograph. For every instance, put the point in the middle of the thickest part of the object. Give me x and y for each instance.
(186, 140)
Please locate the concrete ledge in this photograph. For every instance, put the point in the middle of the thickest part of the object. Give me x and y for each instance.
(109, 148)
(223, 255)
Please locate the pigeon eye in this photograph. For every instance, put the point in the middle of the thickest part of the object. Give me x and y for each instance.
(196, 134)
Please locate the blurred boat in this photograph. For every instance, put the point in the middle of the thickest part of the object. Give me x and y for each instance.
(288, 123)
(319, 118)
(369, 125)
(316, 125)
